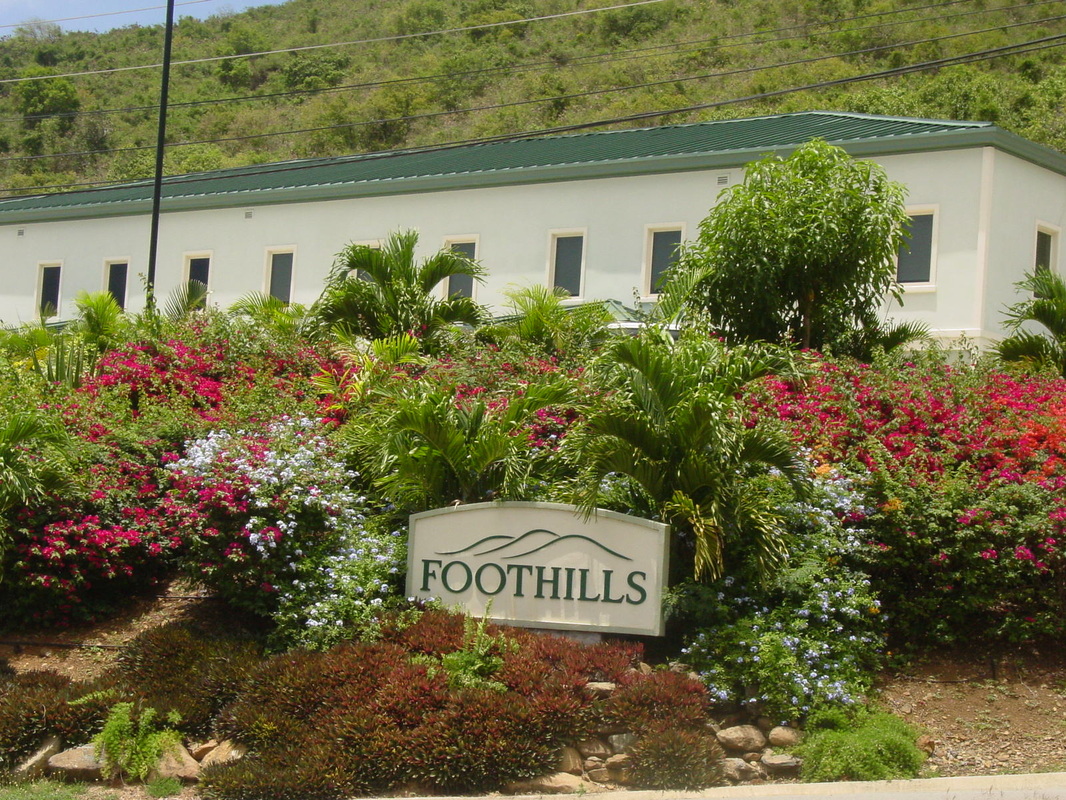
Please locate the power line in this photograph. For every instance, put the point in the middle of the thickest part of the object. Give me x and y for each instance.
(553, 98)
(596, 58)
(101, 14)
(1022, 48)
(394, 38)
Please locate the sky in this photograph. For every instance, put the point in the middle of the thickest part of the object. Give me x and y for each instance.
(142, 12)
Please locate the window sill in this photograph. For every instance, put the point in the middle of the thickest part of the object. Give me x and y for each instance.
(918, 288)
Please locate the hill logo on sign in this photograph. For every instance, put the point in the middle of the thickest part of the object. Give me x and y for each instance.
(542, 565)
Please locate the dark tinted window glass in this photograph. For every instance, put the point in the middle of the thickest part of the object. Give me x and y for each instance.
(568, 263)
(1043, 250)
(664, 246)
(116, 282)
(199, 268)
(463, 284)
(281, 276)
(50, 290)
(915, 258)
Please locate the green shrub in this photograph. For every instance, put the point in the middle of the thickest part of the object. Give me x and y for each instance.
(163, 787)
(876, 746)
(676, 759)
(132, 748)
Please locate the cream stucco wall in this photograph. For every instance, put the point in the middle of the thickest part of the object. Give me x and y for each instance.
(987, 207)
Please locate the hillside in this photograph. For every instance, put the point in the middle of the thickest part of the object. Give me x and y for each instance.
(479, 73)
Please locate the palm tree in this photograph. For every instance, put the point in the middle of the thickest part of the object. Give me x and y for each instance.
(32, 458)
(381, 292)
(286, 320)
(1047, 306)
(429, 450)
(540, 319)
(671, 437)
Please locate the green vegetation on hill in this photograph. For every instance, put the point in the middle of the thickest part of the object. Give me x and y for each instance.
(393, 88)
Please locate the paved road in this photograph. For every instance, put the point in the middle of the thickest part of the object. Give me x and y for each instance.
(1043, 786)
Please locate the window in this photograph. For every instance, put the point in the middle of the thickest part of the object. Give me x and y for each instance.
(117, 272)
(914, 262)
(1045, 249)
(200, 269)
(279, 282)
(49, 289)
(568, 256)
(462, 285)
(660, 254)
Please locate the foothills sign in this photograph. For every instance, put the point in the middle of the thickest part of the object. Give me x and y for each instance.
(542, 565)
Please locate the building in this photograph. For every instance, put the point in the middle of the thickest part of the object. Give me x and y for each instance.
(596, 213)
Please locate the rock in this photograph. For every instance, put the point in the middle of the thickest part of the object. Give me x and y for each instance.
(645, 669)
(751, 758)
(36, 765)
(737, 770)
(764, 724)
(781, 765)
(619, 761)
(226, 751)
(77, 764)
(600, 775)
(200, 751)
(594, 748)
(926, 743)
(570, 761)
(784, 736)
(600, 689)
(742, 738)
(622, 742)
(592, 763)
(176, 762)
(556, 783)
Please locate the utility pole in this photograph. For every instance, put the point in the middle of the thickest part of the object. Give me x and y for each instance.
(157, 191)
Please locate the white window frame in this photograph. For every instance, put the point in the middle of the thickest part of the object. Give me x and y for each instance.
(107, 276)
(1055, 232)
(925, 287)
(561, 233)
(473, 238)
(189, 255)
(41, 265)
(646, 290)
(272, 251)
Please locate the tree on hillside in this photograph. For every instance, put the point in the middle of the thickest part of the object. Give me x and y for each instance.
(377, 292)
(1047, 307)
(803, 251)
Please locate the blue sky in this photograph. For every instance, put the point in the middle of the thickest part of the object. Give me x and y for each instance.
(14, 12)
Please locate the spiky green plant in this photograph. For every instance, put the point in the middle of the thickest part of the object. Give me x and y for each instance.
(1046, 307)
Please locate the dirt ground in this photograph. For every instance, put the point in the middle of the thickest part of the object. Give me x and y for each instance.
(980, 714)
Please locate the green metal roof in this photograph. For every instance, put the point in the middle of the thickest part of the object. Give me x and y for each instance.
(698, 145)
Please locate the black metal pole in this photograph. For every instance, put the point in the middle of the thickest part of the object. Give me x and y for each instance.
(157, 191)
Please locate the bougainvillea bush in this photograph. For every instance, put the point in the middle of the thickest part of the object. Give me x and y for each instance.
(966, 472)
(272, 524)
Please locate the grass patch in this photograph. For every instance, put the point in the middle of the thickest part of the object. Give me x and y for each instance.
(42, 790)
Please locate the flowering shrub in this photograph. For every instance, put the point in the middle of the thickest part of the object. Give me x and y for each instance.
(811, 637)
(967, 472)
(273, 527)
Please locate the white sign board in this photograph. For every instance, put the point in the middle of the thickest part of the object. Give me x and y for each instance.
(542, 565)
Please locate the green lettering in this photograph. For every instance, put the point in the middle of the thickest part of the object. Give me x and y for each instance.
(427, 573)
(583, 594)
(516, 570)
(569, 584)
(642, 593)
(499, 586)
(466, 584)
(553, 582)
(607, 573)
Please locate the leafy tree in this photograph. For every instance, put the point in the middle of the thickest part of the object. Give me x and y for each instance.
(1046, 307)
(39, 97)
(670, 441)
(378, 292)
(802, 251)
